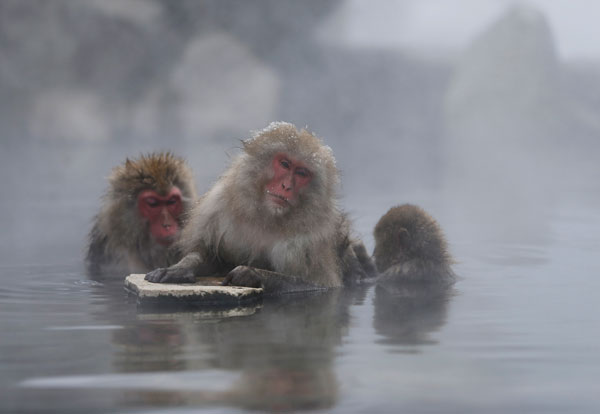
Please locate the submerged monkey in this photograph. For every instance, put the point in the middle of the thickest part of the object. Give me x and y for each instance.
(141, 215)
(410, 247)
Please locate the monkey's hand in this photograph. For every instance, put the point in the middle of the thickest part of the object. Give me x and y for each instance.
(244, 276)
(184, 271)
(173, 274)
(272, 282)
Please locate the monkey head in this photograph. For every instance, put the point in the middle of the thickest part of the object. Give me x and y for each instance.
(288, 172)
(157, 189)
(407, 233)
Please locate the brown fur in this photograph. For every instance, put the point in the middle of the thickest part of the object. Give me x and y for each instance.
(119, 241)
(410, 246)
(231, 226)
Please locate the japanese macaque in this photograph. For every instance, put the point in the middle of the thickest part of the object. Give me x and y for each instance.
(141, 215)
(272, 220)
(410, 247)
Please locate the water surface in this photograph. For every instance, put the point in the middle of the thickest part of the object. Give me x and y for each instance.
(517, 333)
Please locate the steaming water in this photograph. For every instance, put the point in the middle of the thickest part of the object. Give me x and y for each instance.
(498, 142)
(518, 333)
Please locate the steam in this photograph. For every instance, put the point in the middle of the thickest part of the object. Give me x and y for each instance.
(486, 130)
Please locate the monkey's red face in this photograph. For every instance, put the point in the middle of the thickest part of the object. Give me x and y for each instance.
(162, 213)
(290, 176)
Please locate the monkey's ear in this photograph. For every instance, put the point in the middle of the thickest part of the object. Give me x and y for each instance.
(404, 237)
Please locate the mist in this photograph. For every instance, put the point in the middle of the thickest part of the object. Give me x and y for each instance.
(482, 129)
(483, 112)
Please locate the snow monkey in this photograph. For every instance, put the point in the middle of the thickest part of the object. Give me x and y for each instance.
(410, 247)
(141, 215)
(272, 220)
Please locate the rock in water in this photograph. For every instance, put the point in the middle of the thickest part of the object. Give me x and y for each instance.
(206, 292)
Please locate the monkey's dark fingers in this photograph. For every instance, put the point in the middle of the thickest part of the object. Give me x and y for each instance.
(172, 274)
(243, 276)
(227, 280)
(156, 275)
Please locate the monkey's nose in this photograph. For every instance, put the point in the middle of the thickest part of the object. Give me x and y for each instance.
(166, 225)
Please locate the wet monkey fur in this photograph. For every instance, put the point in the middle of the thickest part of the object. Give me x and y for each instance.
(272, 220)
(410, 247)
(141, 215)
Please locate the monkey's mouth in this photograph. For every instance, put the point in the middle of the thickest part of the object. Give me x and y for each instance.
(164, 234)
(279, 199)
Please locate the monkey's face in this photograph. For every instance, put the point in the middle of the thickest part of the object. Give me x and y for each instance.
(162, 213)
(290, 177)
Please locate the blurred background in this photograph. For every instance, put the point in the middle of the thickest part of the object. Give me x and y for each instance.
(484, 112)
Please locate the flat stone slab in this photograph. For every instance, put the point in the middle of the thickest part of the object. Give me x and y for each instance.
(205, 292)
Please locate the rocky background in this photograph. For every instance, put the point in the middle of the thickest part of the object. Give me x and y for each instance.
(483, 138)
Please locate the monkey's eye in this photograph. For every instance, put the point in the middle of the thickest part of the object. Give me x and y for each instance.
(172, 200)
(285, 164)
(151, 201)
(302, 172)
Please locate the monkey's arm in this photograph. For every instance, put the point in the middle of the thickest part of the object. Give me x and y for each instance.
(185, 271)
(365, 260)
(356, 264)
(272, 282)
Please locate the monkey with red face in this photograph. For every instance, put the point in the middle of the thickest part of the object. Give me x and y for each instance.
(141, 216)
(272, 220)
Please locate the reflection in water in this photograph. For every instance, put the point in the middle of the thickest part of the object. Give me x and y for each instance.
(279, 357)
(407, 315)
(283, 353)
(149, 347)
